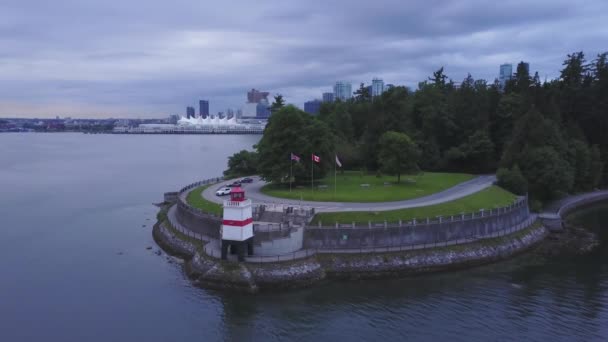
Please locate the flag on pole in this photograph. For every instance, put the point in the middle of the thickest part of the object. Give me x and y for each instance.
(316, 159)
(295, 158)
(338, 161)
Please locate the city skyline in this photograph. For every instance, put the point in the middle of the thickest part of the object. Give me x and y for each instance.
(79, 65)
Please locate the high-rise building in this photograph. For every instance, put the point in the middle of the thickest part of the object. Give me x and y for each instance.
(328, 97)
(377, 87)
(312, 107)
(190, 112)
(203, 106)
(506, 73)
(255, 96)
(343, 91)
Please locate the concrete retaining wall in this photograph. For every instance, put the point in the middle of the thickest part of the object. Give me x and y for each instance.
(195, 219)
(406, 234)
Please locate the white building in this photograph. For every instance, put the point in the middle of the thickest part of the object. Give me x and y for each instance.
(343, 91)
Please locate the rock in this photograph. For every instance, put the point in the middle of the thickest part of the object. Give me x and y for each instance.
(149, 247)
(158, 252)
(143, 225)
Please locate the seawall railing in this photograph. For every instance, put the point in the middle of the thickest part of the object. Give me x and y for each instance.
(520, 202)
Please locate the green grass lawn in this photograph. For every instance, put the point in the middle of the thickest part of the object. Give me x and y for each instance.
(349, 187)
(490, 198)
(195, 199)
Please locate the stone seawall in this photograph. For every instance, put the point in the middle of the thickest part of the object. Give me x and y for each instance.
(253, 278)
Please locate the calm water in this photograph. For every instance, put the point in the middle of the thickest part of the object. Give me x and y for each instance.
(76, 220)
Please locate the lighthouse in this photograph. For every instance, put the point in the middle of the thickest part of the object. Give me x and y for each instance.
(237, 225)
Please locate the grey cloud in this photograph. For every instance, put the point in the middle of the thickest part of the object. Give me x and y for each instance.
(159, 56)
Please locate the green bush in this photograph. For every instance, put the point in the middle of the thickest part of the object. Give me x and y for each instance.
(512, 180)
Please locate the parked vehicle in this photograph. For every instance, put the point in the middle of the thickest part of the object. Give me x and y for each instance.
(223, 191)
(247, 180)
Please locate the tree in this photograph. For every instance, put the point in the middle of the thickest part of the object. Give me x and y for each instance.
(243, 163)
(549, 176)
(278, 103)
(362, 94)
(291, 130)
(398, 154)
(512, 180)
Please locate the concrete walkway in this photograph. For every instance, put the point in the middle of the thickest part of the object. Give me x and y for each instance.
(253, 191)
(554, 210)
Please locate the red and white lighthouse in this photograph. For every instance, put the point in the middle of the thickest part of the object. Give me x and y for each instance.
(237, 226)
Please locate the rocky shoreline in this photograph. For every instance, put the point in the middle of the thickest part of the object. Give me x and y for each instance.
(253, 278)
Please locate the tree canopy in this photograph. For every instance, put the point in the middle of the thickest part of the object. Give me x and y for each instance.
(548, 137)
(398, 154)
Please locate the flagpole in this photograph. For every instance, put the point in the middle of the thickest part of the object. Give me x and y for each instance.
(312, 174)
(335, 177)
(290, 170)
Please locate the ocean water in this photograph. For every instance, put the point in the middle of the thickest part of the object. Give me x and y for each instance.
(77, 215)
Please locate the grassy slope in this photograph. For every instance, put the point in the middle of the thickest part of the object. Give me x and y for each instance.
(349, 187)
(492, 197)
(196, 200)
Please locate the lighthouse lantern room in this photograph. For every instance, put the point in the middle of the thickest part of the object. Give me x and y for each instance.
(237, 225)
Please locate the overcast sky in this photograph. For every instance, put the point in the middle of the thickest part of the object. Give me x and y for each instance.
(151, 58)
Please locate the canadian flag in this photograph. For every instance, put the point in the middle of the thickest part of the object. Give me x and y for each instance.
(316, 159)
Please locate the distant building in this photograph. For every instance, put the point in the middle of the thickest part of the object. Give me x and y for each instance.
(505, 74)
(249, 110)
(343, 91)
(369, 90)
(312, 107)
(262, 110)
(255, 96)
(377, 87)
(190, 112)
(389, 86)
(173, 119)
(328, 97)
(203, 108)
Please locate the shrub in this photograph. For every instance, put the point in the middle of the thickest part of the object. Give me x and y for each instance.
(512, 180)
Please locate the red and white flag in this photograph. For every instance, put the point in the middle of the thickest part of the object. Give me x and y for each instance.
(316, 159)
(338, 161)
(295, 157)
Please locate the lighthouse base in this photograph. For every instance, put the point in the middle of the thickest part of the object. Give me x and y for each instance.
(237, 247)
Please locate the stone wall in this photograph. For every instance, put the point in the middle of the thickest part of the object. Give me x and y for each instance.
(471, 226)
(194, 218)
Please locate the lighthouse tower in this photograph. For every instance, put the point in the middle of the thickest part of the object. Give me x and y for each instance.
(237, 226)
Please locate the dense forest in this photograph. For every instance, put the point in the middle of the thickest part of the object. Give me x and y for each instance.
(542, 138)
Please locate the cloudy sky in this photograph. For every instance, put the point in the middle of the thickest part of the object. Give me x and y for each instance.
(151, 58)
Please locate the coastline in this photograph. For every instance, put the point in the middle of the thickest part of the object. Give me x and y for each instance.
(212, 273)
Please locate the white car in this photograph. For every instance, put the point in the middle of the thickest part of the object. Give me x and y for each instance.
(223, 191)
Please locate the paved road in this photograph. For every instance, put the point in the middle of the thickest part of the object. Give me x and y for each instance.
(253, 192)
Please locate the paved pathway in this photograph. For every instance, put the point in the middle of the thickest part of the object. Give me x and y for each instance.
(554, 210)
(254, 193)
